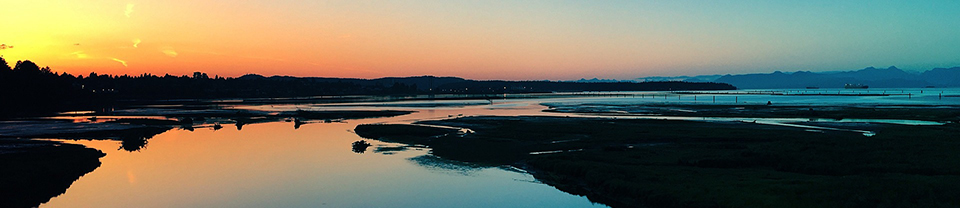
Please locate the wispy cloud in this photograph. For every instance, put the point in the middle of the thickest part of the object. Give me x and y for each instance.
(169, 52)
(136, 42)
(121, 61)
(5, 46)
(80, 54)
(129, 10)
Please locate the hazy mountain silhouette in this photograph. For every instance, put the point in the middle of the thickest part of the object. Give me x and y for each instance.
(873, 77)
(943, 76)
(596, 80)
(877, 74)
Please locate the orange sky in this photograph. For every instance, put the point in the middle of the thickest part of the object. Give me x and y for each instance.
(476, 39)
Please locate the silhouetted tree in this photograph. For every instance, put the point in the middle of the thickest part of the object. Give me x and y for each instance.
(4, 66)
(26, 67)
(200, 75)
(5, 69)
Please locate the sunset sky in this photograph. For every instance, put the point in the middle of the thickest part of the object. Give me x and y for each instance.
(482, 39)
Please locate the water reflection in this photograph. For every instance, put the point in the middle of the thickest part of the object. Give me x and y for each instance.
(271, 165)
(132, 144)
(389, 150)
(134, 140)
(446, 166)
(360, 146)
(239, 124)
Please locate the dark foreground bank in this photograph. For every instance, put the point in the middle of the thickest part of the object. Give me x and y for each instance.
(662, 163)
(32, 172)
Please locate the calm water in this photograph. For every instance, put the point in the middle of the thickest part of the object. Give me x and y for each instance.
(275, 165)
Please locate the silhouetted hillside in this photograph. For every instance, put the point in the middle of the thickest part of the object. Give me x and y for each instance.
(548, 86)
(943, 76)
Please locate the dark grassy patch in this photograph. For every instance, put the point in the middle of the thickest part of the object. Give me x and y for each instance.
(662, 163)
(409, 134)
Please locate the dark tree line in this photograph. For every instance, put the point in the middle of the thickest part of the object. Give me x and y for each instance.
(27, 88)
(549, 86)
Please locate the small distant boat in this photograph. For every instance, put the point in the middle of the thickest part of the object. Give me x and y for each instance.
(813, 88)
(855, 86)
(930, 86)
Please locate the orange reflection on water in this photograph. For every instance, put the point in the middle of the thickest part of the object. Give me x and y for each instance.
(207, 166)
(275, 165)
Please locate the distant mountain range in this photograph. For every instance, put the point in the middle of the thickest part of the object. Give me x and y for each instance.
(870, 76)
